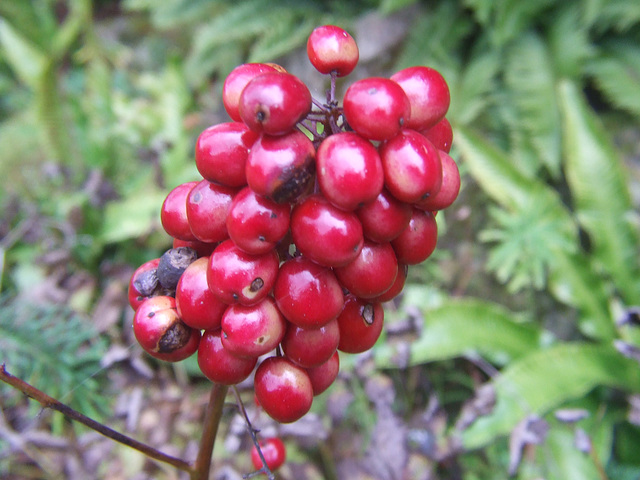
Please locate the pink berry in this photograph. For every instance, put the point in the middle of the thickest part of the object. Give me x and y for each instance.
(207, 208)
(311, 347)
(450, 186)
(196, 304)
(236, 81)
(218, 364)
(273, 451)
(173, 214)
(332, 49)
(418, 241)
(324, 375)
(384, 218)
(360, 324)
(441, 135)
(397, 286)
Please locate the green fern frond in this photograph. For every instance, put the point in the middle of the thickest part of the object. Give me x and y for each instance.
(569, 41)
(619, 15)
(172, 13)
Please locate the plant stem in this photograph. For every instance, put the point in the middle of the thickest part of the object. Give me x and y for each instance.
(49, 402)
(207, 441)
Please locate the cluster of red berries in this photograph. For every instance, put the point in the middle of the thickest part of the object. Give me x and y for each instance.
(305, 221)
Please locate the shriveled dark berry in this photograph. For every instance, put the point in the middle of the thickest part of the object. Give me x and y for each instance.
(172, 263)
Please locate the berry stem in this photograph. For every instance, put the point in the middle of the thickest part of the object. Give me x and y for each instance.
(212, 418)
(332, 92)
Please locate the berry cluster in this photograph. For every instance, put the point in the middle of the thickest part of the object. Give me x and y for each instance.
(306, 220)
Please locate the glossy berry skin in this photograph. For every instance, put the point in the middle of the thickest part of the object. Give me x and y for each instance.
(222, 151)
(384, 218)
(273, 451)
(418, 241)
(283, 389)
(332, 49)
(281, 168)
(274, 102)
(252, 331)
(235, 276)
(324, 375)
(173, 214)
(441, 135)
(160, 331)
(202, 249)
(311, 347)
(143, 283)
(207, 208)
(397, 287)
(349, 170)
(255, 223)
(360, 324)
(236, 81)
(196, 304)
(412, 167)
(372, 272)
(428, 95)
(450, 186)
(218, 364)
(324, 233)
(376, 108)
(307, 294)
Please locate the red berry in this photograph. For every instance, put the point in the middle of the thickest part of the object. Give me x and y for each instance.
(143, 283)
(218, 364)
(281, 168)
(412, 167)
(324, 375)
(376, 108)
(441, 135)
(418, 241)
(283, 389)
(273, 451)
(428, 94)
(450, 186)
(222, 151)
(372, 272)
(307, 294)
(360, 324)
(274, 102)
(397, 286)
(384, 218)
(160, 331)
(324, 233)
(310, 347)
(173, 213)
(255, 223)
(196, 304)
(252, 331)
(207, 208)
(235, 276)
(202, 249)
(349, 170)
(236, 81)
(332, 49)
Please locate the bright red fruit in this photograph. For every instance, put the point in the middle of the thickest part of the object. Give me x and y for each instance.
(274, 102)
(218, 364)
(283, 389)
(376, 108)
(360, 324)
(324, 375)
(203, 249)
(311, 347)
(397, 286)
(441, 135)
(450, 186)
(418, 241)
(207, 208)
(273, 451)
(384, 218)
(428, 94)
(332, 49)
(236, 81)
(173, 214)
(196, 304)
(349, 170)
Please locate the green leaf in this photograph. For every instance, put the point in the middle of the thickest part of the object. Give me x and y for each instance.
(597, 180)
(562, 459)
(546, 379)
(25, 58)
(460, 327)
(569, 42)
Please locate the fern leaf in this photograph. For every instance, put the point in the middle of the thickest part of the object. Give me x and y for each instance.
(569, 42)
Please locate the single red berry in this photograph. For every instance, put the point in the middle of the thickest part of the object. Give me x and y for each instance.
(310, 347)
(412, 167)
(281, 168)
(360, 324)
(324, 375)
(324, 233)
(252, 331)
(218, 364)
(450, 186)
(274, 102)
(196, 304)
(207, 208)
(173, 213)
(332, 49)
(397, 286)
(349, 170)
(273, 451)
(160, 331)
(283, 389)
(441, 135)
(384, 218)
(222, 151)
(307, 294)
(428, 94)
(235, 276)
(372, 272)
(418, 241)
(236, 81)
(143, 283)
(376, 108)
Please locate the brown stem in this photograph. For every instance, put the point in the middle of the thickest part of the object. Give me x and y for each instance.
(49, 402)
(211, 422)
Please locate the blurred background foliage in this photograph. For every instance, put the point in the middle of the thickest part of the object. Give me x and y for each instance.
(528, 310)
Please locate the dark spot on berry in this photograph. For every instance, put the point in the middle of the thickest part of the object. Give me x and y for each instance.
(368, 314)
(425, 196)
(146, 282)
(175, 337)
(235, 296)
(260, 340)
(261, 238)
(197, 197)
(372, 91)
(256, 285)
(294, 181)
(273, 215)
(261, 115)
(401, 121)
(151, 314)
